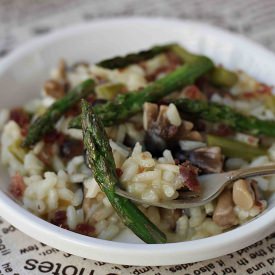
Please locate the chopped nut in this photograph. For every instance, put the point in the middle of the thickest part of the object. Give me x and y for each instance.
(54, 89)
(243, 194)
(173, 115)
(224, 214)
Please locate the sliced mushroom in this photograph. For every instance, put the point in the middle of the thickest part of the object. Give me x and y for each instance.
(150, 113)
(224, 214)
(243, 194)
(164, 121)
(209, 159)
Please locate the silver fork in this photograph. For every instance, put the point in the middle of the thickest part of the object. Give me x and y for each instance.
(211, 186)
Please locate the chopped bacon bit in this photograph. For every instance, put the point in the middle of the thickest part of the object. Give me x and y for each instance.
(189, 174)
(200, 126)
(173, 59)
(20, 116)
(24, 130)
(224, 130)
(85, 229)
(60, 219)
(264, 89)
(193, 92)
(54, 136)
(17, 186)
(249, 95)
(119, 172)
(73, 111)
(177, 162)
(91, 99)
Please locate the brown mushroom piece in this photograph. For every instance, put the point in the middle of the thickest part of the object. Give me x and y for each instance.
(224, 214)
(208, 159)
(161, 133)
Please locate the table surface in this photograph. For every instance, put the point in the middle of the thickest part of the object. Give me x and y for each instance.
(22, 20)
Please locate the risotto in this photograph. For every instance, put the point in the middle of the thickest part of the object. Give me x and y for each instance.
(159, 151)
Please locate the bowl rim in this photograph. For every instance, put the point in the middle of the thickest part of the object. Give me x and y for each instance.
(255, 229)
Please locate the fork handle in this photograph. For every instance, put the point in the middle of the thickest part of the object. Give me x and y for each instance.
(252, 172)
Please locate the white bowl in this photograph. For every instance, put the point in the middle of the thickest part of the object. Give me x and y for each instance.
(22, 75)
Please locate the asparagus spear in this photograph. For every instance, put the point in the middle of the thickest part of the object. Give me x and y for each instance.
(218, 76)
(234, 148)
(129, 104)
(109, 91)
(100, 159)
(123, 61)
(214, 112)
(45, 123)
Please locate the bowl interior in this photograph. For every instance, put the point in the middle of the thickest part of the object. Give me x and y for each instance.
(23, 73)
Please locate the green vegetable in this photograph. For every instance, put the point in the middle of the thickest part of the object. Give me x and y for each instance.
(101, 161)
(217, 76)
(127, 105)
(222, 77)
(235, 149)
(45, 123)
(133, 58)
(109, 91)
(214, 112)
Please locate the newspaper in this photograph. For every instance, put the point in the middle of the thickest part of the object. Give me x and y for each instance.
(22, 20)
(27, 256)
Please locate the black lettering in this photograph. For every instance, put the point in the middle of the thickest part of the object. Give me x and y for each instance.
(64, 271)
(271, 261)
(31, 263)
(242, 261)
(45, 267)
(56, 272)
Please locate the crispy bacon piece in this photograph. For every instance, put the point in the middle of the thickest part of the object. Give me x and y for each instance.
(119, 172)
(54, 136)
(189, 174)
(85, 229)
(74, 111)
(20, 116)
(193, 92)
(17, 186)
(60, 219)
(223, 130)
